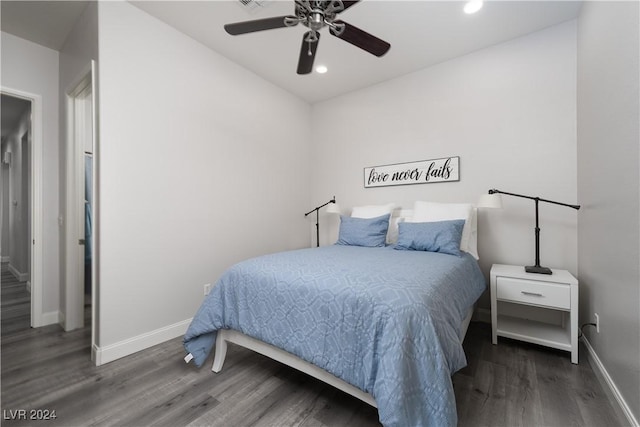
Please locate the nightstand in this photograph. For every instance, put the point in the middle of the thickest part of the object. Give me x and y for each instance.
(537, 308)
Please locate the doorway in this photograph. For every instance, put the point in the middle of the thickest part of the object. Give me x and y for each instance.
(80, 289)
(20, 207)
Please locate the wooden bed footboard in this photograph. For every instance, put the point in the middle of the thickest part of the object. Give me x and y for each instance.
(229, 335)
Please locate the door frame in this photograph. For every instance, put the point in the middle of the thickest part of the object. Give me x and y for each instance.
(36, 266)
(74, 252)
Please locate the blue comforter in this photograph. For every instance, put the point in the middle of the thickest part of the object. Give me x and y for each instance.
(386, 321)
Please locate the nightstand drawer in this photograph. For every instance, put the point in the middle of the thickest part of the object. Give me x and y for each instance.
(524, 291)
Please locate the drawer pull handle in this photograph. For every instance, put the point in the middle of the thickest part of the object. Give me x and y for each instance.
(531, 294)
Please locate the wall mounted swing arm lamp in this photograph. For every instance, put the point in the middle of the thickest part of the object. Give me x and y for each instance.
(331, 209)
(537, 268)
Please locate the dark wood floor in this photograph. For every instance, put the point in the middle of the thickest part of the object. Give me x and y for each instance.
(15, 303)
(512, 384)
(520, 384)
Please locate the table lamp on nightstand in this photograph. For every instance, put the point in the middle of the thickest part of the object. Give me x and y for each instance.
(493, 200)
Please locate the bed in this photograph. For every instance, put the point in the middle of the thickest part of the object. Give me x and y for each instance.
(382, 323)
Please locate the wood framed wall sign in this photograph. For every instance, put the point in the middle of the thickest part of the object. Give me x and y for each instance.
(422, 172)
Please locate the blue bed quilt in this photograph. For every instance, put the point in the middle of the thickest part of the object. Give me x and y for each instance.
(384, 320)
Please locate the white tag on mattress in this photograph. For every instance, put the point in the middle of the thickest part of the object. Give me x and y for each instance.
(188, 358)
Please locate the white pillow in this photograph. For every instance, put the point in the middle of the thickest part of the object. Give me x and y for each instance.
(373, 211)
(473, 237)
(398, 216)
(392, 234)
(433, 211)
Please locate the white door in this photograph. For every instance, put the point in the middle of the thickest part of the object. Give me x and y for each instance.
(80, 286)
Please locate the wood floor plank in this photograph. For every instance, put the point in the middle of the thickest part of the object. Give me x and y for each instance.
(152, 401)
(591, 399)
(524, 407)
(342, 409)
(15, 303)
(298, 406)
(554, 382)
(230, 413)
(487, 402)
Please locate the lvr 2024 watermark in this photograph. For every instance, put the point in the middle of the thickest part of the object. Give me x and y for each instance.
(29, 414)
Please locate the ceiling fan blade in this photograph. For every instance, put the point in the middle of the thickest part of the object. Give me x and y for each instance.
(307, 53)
(255, 25)
(348, 4)
(360, 38)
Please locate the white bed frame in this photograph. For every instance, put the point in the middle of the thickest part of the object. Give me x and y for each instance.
(229, 335)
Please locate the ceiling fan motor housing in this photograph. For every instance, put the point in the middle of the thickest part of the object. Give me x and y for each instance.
(315, 20)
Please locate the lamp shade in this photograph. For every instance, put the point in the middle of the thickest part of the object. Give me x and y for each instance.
(333, 208)
(490, 201)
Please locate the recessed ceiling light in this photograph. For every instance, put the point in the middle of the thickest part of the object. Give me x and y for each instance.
(321, 69)
(473, 6)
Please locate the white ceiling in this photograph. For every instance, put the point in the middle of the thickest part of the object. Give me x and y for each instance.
(421, 33)
(47, 23)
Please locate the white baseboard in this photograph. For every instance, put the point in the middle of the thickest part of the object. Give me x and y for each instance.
(124, 348)
(21, 277)
(50, 318)
(604, 376)
(94, 354)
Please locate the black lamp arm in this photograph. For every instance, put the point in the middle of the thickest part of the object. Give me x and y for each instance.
(494, 191)
(317, 210)
(321, 206)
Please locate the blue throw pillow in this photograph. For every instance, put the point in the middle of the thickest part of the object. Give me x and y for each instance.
(370, 232)
(437, 236)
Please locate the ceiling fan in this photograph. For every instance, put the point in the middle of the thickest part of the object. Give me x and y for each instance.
(315, 15)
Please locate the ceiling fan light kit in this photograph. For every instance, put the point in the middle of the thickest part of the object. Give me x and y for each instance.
(315, 15)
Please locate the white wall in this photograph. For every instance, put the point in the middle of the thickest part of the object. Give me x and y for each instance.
(29, 67)
(202, 164)
(508, 111)
(608, 186)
